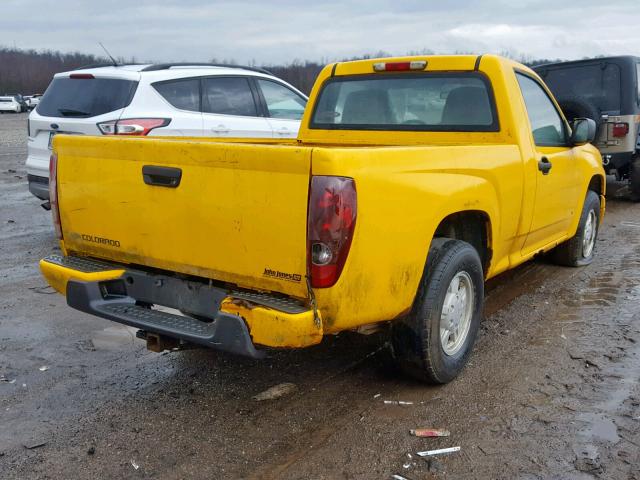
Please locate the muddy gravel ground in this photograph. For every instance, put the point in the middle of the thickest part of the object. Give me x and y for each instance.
(551, 392)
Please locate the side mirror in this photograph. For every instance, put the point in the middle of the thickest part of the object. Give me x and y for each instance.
(583, 130)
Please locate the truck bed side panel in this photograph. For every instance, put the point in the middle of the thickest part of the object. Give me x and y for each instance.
(403, 195)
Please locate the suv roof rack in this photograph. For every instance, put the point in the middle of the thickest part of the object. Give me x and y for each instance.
(166, 66)
(102, 65)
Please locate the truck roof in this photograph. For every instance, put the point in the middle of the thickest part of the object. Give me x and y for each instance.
(434, 62)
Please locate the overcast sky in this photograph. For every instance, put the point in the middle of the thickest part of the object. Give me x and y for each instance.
(280, 31)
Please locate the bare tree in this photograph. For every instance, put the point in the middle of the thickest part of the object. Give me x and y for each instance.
(30, 71)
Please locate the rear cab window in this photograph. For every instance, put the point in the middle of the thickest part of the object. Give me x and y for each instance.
(435, 101)
(85, 97)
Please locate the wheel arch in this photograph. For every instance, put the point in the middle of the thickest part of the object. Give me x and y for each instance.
(473, 227)
(597, 184)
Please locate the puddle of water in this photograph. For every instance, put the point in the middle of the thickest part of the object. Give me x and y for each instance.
(114, 338)
(599, 427)
(630, 224)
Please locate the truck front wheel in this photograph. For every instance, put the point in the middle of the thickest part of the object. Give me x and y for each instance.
(578, 251)
(434, 342)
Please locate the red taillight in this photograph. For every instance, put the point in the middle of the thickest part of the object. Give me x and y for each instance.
(53, 194)
(82, 76)
(620, 129)
(399, 66)
(132, 126)
(330, 224)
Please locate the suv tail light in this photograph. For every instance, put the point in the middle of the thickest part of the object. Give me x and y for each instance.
(132, 126)
(53, 194)
(330, 224)
(620, 129)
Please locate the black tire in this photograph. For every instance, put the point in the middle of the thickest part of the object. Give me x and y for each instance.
(572, 252)
(575, 107)
(634, 178)
(415, 339)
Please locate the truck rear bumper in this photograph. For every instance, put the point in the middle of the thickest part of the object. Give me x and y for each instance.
(39, 186)
(229, 320)
(224, 332)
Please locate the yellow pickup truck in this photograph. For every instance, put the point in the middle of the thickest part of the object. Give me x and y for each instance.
(412, 181)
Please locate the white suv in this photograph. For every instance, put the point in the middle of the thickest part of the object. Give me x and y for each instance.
(9, 104)
(165, 99)
(33, 100)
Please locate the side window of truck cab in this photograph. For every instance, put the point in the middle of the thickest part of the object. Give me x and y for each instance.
(547, 125)
(638, 81)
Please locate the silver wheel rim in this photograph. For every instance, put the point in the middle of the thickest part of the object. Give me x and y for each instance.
(457, 310)
(589, 237)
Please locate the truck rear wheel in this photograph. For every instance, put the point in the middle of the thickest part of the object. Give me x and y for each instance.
(634, 179)
(579, 250)
(434, 342)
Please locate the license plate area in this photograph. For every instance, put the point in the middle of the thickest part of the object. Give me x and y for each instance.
(166, 291)
(53, 133)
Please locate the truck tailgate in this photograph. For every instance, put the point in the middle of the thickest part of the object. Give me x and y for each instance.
(237, 215)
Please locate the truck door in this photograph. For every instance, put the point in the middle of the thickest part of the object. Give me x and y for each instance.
(556, 177)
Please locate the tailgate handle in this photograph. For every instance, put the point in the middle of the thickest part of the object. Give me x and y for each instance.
(161, 176)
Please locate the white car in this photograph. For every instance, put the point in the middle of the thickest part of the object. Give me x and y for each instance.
(164, 99)
(9, 104)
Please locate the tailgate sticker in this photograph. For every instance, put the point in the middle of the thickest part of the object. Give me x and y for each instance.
(291, 277)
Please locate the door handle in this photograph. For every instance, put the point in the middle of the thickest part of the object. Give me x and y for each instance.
(161, 176)
(221, 129)
(283, 131)
(544, 165)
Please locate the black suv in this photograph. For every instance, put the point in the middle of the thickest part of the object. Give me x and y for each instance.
(606, 90)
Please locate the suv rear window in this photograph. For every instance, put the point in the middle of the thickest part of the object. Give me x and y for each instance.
(85, 97)
(416, 102)
(595, 83)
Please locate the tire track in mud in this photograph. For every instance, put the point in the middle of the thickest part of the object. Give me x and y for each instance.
(600, 288)
(594, 323)
(516, 410)
(297, 448)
